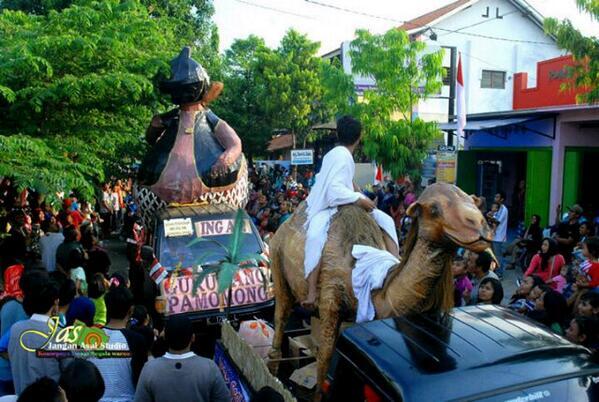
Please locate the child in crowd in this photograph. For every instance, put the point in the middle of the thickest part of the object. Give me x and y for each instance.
(490, 291)
(522, 299)
(462, 284)
(140, 322)
(96, 291)
(588, 305)
(551, 309)
(589, 277)
(584, 331)
(559, 282)
(491, 217)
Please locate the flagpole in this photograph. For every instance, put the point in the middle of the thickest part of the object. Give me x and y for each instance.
(460, 109)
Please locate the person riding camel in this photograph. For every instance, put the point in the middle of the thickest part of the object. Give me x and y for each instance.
(194, 154)
(334, 187)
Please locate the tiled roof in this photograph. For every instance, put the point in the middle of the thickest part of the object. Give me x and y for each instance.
(426, 19)
(280, 142)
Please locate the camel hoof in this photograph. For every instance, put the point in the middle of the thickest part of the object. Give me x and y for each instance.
(273, 366)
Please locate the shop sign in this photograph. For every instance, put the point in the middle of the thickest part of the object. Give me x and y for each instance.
(302, 156)
(446, 166)
(178, 227)
(248, 288)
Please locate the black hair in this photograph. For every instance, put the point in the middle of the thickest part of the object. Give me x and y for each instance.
(592, 298)
(140, 314)
(96, 287)
(178, 332)
(593, 246)
(458, 258)
(44, 389)
(70, 234)
(484, 261)
(32, 278)
(82, 382)
(501, 194)
(589, 327)
(348, 130)
(75, 259)
(41, 295)
(556, 307)
(538, 220)
(551, 251)
(536, 281)
(497, 289)
(67, 290)
(267, 394)
(119, 301)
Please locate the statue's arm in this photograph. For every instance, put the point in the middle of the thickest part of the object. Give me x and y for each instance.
(229, 139)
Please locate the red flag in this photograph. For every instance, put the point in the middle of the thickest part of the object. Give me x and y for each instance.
(460, 103)
(378, 178)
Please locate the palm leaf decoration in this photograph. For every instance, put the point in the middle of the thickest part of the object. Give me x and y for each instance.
(233, 261)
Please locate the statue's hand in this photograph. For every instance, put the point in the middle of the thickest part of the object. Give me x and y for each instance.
(220, 167)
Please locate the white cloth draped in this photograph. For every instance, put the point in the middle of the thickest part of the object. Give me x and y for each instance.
(372, 266)
(333, 187)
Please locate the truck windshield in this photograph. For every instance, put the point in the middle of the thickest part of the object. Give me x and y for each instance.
(174, 250)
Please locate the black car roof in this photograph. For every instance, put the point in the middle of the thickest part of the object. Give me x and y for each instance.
(470, 353)
(195, 210)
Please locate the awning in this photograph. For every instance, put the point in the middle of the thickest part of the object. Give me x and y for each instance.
(484, 124)
(281, 142)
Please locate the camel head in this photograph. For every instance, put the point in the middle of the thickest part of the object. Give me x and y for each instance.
(447, 215)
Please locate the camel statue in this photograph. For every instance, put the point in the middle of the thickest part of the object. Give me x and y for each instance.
(443, 219)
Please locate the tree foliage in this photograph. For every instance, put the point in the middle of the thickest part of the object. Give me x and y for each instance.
(585, 50)
(294, 81)
(241, 104)
(404, 74)
(77, 89)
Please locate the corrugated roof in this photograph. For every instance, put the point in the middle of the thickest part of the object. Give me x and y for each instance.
(280, 142)
(428, 18)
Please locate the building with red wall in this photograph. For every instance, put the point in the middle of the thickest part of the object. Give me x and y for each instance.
(551, 74)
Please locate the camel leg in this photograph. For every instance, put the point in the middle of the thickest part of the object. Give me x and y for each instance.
(283, 307)
(329, 330)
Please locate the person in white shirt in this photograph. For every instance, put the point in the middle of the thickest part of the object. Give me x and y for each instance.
(49, 243)
(334, 187)
(500, 217)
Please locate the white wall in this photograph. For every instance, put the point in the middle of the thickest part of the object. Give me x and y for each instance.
(480, 53)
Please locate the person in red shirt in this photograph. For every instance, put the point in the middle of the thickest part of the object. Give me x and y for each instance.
(590, 276)
(547, 263)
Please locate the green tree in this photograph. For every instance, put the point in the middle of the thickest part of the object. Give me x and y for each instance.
(77, 90)
(241, 104)
(404, 74)
(585, 50)
(291, 78)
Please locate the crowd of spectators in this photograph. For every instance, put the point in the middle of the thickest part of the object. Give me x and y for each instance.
(56, 274)
(560, 284)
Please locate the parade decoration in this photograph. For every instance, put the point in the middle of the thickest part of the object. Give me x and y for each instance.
(443, 218)
(194, 156)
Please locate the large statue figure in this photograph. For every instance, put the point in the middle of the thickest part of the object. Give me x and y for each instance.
(444, 218)
(194, 155)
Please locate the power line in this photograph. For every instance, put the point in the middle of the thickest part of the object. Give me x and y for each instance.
(277, 10)
(482, 22)
(347, 10)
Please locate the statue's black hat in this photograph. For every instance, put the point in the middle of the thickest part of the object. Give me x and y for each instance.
(185, 71)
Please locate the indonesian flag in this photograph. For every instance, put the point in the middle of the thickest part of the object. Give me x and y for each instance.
(460, 103)
(378, 176)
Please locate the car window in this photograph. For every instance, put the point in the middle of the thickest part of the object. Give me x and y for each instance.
(175, 250)
(581, 389)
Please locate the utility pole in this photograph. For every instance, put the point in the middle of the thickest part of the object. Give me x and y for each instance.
(452, 80)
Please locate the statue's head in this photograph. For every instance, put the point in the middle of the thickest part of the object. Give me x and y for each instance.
(446, 215)
(189, 81)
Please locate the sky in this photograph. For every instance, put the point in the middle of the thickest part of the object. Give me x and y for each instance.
(270, 19)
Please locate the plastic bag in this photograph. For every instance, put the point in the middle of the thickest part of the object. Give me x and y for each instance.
(258, 335)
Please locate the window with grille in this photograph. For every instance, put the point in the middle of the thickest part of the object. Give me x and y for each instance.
(493, 79)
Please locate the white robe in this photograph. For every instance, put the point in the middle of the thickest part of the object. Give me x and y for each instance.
(333, 187)
(372, 266)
